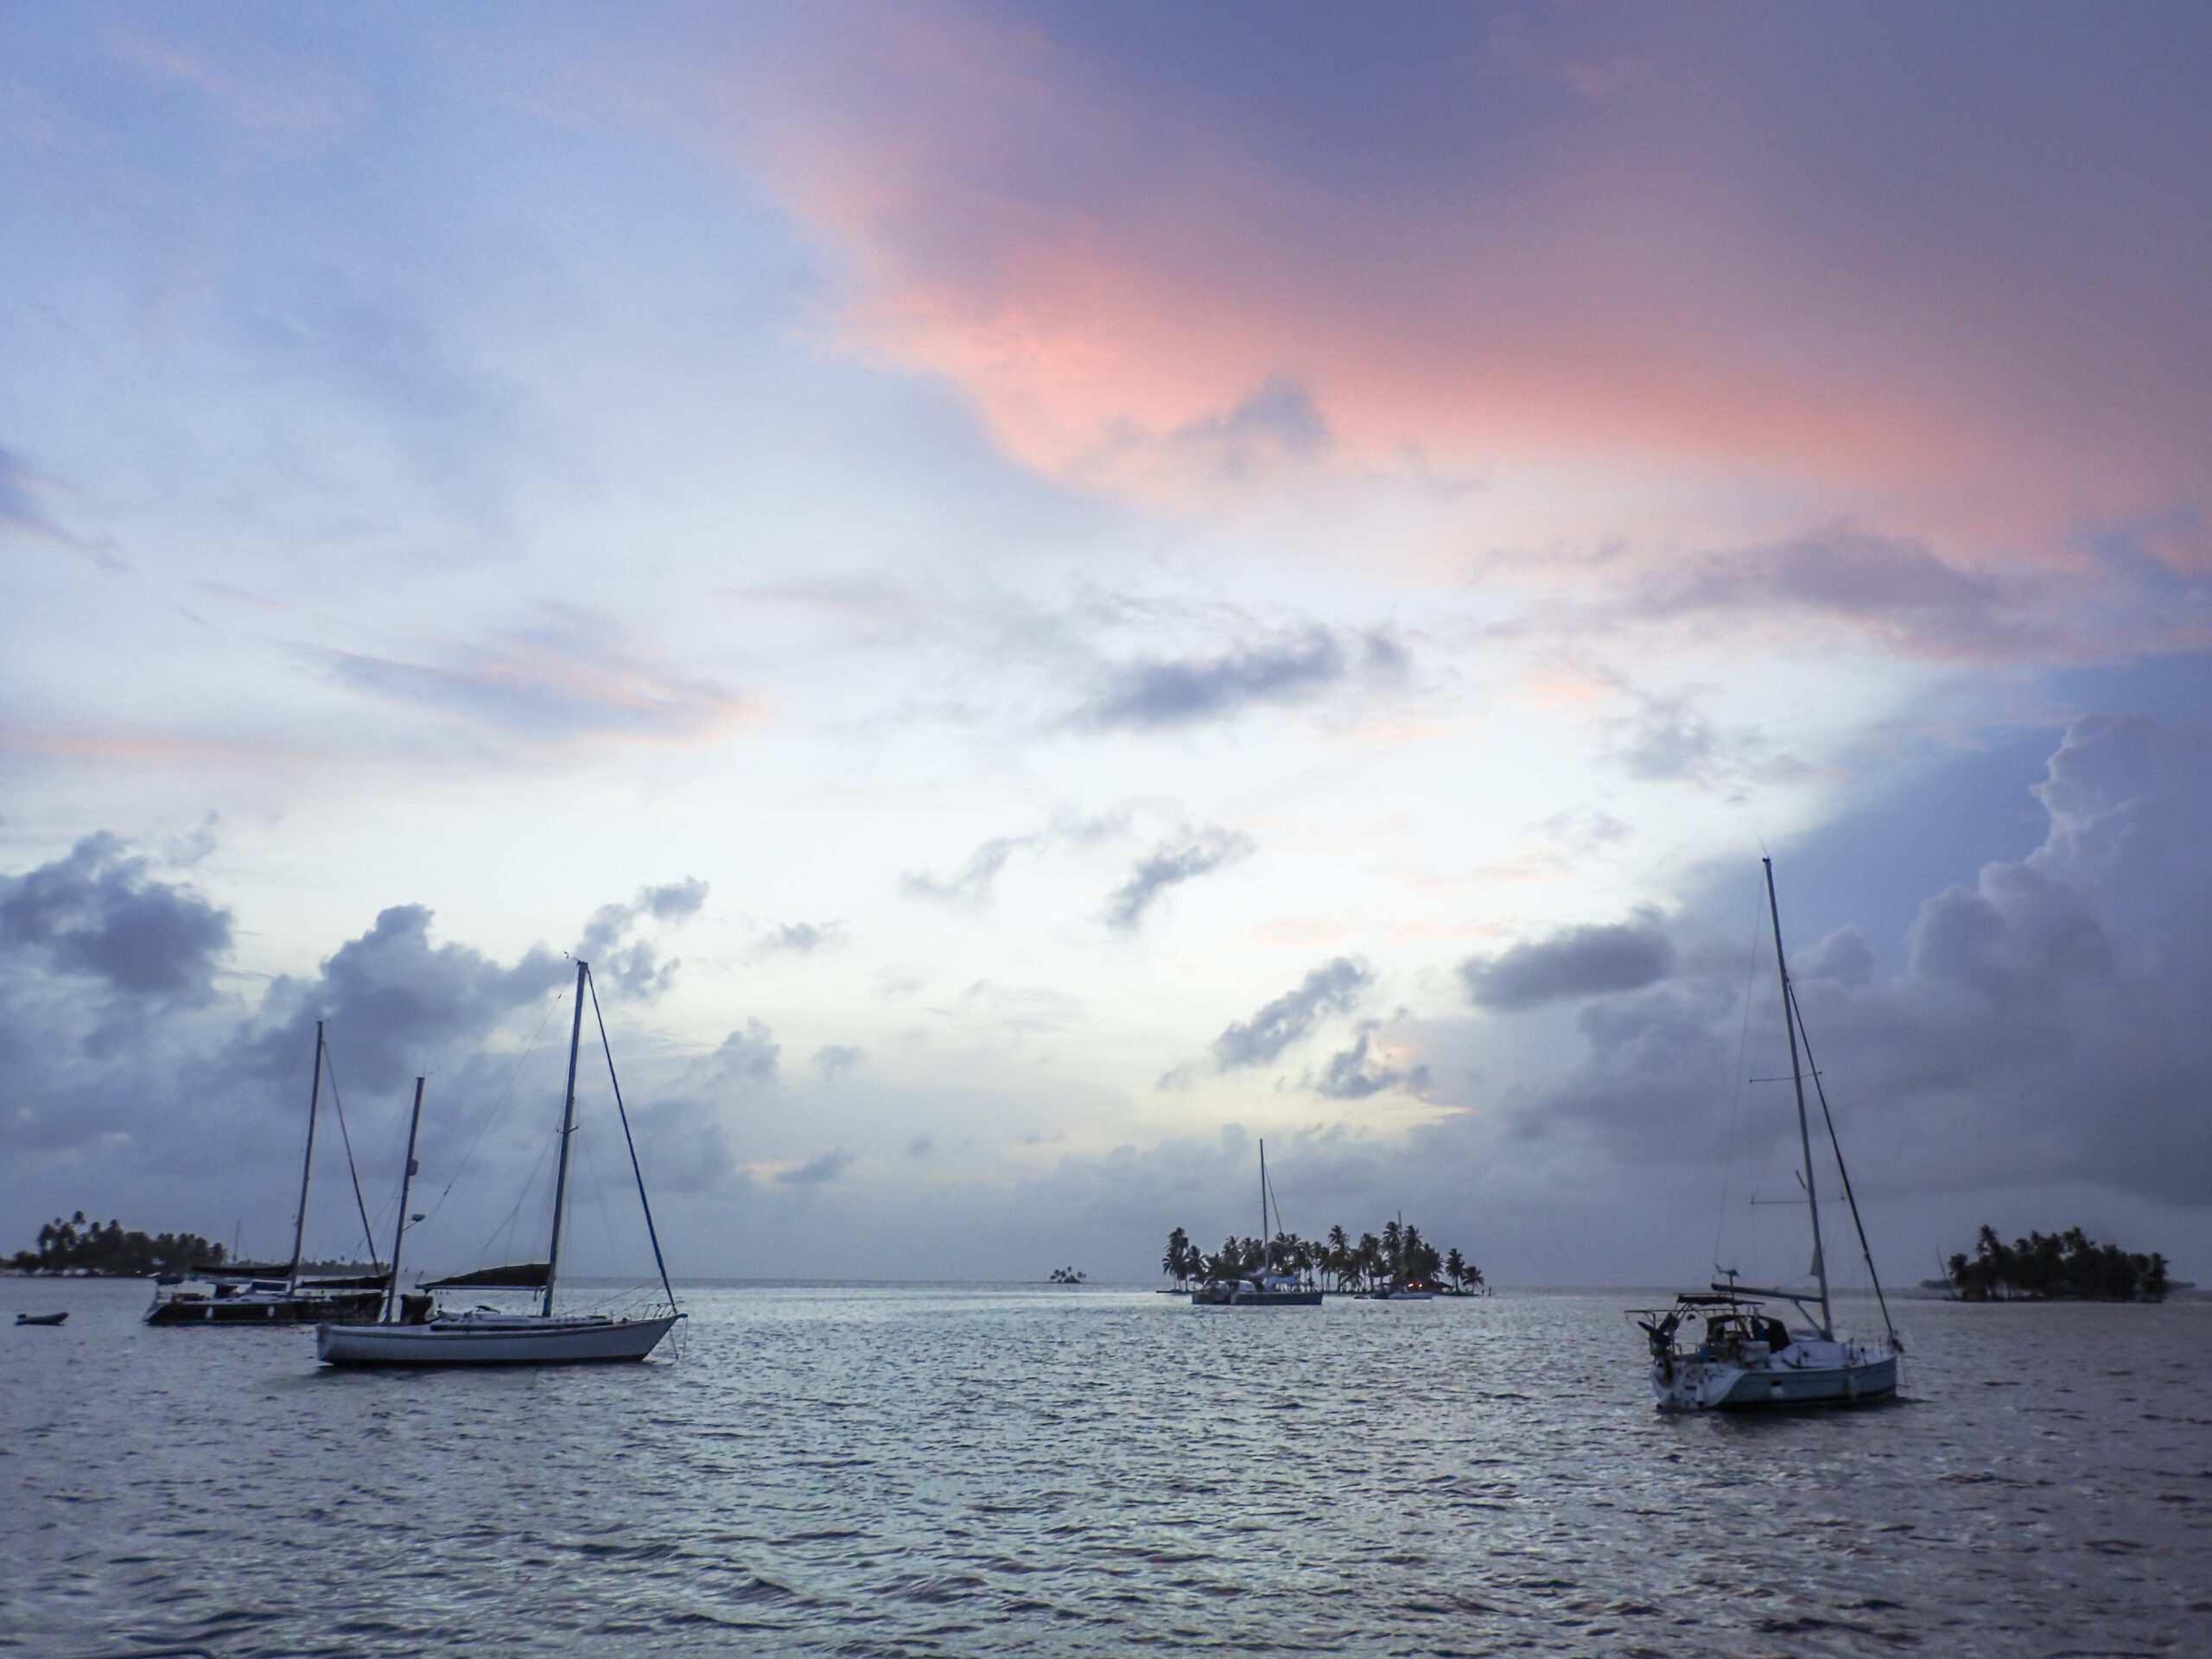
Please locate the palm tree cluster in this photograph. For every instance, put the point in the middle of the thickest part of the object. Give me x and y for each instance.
(2068, 1266)
(1397, 1259)
(78, 1246)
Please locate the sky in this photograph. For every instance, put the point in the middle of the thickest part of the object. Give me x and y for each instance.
(1050, 592)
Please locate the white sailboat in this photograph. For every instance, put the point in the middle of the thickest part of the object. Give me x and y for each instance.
(1746, 1359)
(482, 1337)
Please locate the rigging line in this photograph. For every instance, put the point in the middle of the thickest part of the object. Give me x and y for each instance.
(645, 1203)
(1836, 1145)
(1736, 1106)
(491, 1116)
(506, 1229)
(352, 1168)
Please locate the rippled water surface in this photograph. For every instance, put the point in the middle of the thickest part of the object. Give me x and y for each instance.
(969, 1471)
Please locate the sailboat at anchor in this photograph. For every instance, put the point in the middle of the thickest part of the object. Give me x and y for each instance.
(482, 1337)
(1749, 1360)
(278, 1294)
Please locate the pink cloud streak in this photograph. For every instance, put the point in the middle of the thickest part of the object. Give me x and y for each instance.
(1108, 266)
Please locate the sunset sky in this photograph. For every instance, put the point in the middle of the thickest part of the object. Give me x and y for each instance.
(1049, 591)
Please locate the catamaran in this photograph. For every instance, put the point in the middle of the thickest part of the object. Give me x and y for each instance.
(483, 1337)
(1260, 1289)
(1748, 1359)
(244, 1294)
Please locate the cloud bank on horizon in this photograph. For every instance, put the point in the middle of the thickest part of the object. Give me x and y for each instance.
(1047, 591)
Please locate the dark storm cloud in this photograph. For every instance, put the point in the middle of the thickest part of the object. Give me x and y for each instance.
(2047, 1023)
(1156, 693)
(1354, 1074)
(98, 912)
(1580, 961)
(635, 969)
(1333, 988)
(817, 1171)
(971, 884)
(1181, 858)
(394, 1001)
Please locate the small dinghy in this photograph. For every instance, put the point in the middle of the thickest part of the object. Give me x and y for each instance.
(41, 1319)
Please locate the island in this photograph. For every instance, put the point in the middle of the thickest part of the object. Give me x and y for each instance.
(89, 1250)
(2060, 1267)
(1398, 1259)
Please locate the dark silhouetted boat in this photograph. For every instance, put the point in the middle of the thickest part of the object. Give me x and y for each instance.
(1260, 1289)
(267, 1294)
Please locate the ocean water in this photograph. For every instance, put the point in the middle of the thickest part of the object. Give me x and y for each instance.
(874, 1471)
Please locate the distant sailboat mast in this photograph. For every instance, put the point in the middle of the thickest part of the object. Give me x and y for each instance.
(1264, 1233)
(568, 1130)
(399, 1227)
(1797, 1079)
(307, 1168)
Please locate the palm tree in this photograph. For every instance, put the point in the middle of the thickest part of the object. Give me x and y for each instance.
(1455, 1267)
(1370, 1255)
(1338, 1259)
(1178, 1243)
(1393, 1247)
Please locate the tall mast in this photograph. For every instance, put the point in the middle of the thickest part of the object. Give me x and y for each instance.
(306, 1167)
(399, 1229)
(1263, 1206)
(1797, 1078)
(569, 1127)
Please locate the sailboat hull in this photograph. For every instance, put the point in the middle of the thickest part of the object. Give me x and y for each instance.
(263, 1308)
(1854, 1374)
(503, 1340)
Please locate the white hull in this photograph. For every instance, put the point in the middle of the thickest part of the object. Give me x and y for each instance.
(498, 1340)
(1803, 1373)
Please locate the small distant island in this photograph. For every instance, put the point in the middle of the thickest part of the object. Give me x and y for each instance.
(1398, 1258)
(1067, 1276)
(78, 1246)
(2060, 1267)
(89, 1249)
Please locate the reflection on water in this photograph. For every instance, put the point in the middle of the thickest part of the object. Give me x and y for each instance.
(889, 1472)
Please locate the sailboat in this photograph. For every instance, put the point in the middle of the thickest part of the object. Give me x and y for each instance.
(270, 1294)
(1748, 1359)
(484, 1337)
(1260, 1289)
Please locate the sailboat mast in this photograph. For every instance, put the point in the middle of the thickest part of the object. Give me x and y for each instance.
(307, 1168)
(399, 1227)
(1797, 1079)
(1263, 1206)
(568, 1129)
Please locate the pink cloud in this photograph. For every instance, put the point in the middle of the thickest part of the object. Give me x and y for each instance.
(1651, 265)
